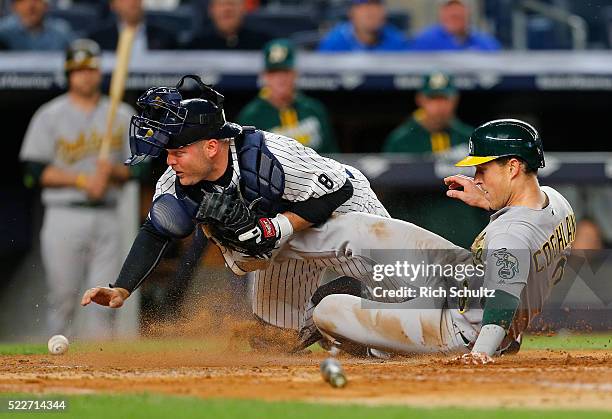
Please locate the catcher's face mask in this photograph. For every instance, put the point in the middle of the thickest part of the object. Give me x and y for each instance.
(169, 121)
(161, 117)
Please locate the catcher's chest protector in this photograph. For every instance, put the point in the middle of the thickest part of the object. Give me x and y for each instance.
(261, 174)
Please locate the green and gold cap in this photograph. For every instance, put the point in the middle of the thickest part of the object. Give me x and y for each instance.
(503, 138)
(279, 54)
(82, 54)
(438, 84)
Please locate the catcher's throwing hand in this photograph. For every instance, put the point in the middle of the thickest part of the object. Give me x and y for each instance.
(464, 188)
(105, 296)
(475, 358)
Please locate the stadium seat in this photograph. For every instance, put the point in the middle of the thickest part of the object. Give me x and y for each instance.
(282, 23)
(608, 25)
(596, 13)
(499, 16)
(181, 21)
(546, 34)
(308, 40)
(399, 18)
(80, 17)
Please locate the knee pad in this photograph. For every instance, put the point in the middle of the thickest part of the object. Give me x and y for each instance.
(170, 217)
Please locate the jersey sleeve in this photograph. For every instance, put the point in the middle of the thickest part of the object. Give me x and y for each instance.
(307, 174)
(38, 144)
(507, 265)
(166, 184)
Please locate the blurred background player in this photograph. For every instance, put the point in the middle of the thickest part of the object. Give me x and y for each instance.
(29, 28)
(130, 13)
(453, 32)
(281, 109)
(80, 232)
(433, 127)
(366, 30)
(226, 29)
(434, 130)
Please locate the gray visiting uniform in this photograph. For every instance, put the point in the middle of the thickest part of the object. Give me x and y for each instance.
(524, 250)
(79, 241)
(283, 287)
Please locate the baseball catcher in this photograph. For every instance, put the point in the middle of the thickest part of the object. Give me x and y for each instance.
(252, 192)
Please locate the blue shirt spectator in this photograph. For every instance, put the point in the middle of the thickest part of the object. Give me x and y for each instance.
(342, 38)
(453, 32)
(366, 30)
(28, 28)
(436, 38)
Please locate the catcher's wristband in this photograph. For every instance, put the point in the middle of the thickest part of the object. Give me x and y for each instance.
(283, 226)
(489, 339)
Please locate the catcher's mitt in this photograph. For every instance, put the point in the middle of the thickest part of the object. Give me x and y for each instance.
(236, 226)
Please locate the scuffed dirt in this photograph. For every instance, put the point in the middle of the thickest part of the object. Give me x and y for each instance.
(217, 353)
(543, 379)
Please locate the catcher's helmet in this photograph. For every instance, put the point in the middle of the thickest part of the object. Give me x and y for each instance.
(82, 54)
(502, 138)
(169, 121)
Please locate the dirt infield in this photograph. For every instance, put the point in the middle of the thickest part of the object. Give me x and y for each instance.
(548, 379)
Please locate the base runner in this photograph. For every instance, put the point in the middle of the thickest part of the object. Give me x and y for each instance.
(523, 250)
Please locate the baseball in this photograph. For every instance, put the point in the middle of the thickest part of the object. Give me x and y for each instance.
(58, 344)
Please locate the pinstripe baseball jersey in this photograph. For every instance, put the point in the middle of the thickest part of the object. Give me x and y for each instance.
(282, 291)
(307, 175)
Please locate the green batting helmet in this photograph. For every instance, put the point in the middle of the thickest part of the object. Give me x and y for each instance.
(504, 138)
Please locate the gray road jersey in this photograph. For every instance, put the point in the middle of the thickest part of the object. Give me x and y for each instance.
(62, 135)
(525, 252)
(303, 168)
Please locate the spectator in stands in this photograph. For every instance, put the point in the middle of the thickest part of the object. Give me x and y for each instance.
(227, 31)
(588, 235)
(280, 108)
(453, 32)
(433, 127)
(131, 13)
(366, 30)
(28, 28)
